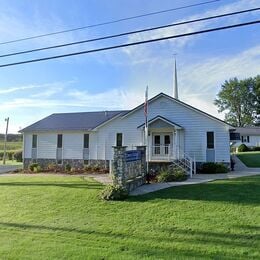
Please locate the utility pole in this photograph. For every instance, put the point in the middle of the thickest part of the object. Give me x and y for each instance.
(6, 133)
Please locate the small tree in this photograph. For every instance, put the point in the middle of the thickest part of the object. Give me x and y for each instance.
(240, 99)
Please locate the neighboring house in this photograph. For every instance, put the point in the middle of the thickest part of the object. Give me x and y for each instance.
(250, 136)
(175, 128)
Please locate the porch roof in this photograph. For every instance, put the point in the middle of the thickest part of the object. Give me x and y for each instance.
(165, 120)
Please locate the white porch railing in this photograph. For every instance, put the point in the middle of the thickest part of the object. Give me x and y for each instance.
(161, 152)
(184, 161)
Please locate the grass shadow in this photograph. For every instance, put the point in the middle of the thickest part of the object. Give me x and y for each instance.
(86, 184)
(241, 191)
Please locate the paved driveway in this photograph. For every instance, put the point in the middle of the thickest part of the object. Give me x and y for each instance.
(9, 168)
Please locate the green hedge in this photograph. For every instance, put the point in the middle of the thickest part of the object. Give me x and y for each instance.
(212, 167)
(171, 175)
(242, 148)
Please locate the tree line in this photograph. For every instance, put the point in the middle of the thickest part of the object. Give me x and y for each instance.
(12, 137)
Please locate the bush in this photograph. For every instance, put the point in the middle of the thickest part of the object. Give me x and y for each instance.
(9, 155)
(52, 167)
(114, 192)
(221, 168)
(211, 167)
(174, 174)
(67, 167)
(242, 148)
(256, 149)
(35, 167)
(18, 156)
(88, 168)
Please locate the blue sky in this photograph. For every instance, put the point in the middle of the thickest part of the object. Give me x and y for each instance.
(117, 79)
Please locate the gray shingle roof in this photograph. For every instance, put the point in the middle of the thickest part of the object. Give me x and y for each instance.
(72, 121)
(253, 130)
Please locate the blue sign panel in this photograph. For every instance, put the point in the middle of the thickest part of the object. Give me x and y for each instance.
(133, 155)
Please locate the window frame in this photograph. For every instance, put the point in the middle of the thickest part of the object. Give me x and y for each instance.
(119, 144)
(34, 141)
(210, 145)
(86, 141)
(59, 140)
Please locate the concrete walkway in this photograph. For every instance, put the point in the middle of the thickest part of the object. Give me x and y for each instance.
(9, 168)
(196, 179)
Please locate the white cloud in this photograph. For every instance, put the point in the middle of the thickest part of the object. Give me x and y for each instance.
(139, 54)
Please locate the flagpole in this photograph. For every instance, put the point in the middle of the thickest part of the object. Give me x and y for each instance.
(146, 132)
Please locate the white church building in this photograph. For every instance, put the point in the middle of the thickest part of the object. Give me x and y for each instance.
(175, 129)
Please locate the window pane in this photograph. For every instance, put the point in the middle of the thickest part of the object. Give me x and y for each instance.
(86, 140)
(210, 140)
(247, 139)
(167, 140)
(59, 141)
(34, 141)
(156, 140)
(119, 139)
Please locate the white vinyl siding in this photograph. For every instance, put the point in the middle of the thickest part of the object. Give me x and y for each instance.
(195, 127)
(73, 146)
(47, 144)
(192, 138)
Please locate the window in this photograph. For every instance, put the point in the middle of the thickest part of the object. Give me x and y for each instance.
(210, 140)
(119, 139)
(59, 141)
(86, 140)
(245, 139)
(34, 141)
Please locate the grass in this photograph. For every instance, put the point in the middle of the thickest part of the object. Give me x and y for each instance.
(58, 217)
(11, 162)
(11, 146)
(250, 159)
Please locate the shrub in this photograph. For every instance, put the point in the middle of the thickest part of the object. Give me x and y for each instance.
(9, 155)
(35, 167)
(169, 175)
(18, 156)
(68, 167)
(88, 168)
(211, 167)
(242, 148)
(52, 167)
(114, 192)
(257, 148)
(221, 168)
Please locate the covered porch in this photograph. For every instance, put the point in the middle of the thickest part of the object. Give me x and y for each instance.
(165, 140)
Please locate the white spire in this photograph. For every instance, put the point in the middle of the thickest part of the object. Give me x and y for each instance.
(175, 89)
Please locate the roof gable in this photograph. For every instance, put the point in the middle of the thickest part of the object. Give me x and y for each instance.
(166, 121)
(178, 102)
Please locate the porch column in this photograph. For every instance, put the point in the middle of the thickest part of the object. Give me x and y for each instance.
(177, 145)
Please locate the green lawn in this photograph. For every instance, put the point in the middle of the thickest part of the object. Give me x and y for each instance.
(62, 218)
(11, 162)
(11, 146)
(250, 159)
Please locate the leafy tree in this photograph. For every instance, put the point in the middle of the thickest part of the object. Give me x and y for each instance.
(240, 99)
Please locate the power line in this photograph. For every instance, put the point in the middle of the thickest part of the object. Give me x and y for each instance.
(129, 33)
(131, 44)
(109, 22)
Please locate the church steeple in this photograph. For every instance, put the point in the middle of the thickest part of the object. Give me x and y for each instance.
(175, 87)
